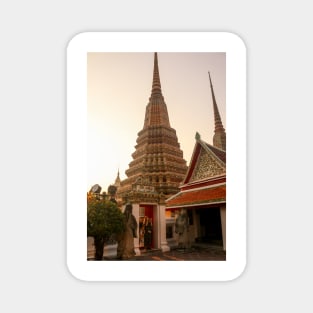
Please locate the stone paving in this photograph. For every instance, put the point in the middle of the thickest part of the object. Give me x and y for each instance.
(195, 253)
(192, 254)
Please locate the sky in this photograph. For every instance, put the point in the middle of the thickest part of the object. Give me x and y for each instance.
(118, 90)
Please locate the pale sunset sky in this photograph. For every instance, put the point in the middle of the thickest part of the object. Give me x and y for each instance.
(118, 90)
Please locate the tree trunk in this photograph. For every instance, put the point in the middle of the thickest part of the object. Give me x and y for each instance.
(99, 244)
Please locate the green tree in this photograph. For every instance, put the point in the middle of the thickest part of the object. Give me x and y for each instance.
(104, 220)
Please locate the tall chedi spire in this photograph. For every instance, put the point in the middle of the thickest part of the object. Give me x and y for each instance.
(158, 162)
(156, 84)
(219, 138)
(156, 111)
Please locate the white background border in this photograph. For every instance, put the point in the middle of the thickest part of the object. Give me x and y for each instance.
(279, 155)
(236, 155)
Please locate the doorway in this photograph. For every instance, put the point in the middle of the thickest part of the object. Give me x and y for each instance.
(146, 227)
(210, 226)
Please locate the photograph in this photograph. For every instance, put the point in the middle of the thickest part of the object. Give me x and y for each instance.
(156, 156)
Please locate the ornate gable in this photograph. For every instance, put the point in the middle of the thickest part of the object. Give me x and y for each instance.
(207, 161)
(207, 166)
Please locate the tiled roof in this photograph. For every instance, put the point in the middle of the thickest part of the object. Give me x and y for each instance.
(198, 197)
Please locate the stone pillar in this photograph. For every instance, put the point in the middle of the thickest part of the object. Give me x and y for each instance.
(136, 214)
(196, 222)
(162, 228)
(223, 222)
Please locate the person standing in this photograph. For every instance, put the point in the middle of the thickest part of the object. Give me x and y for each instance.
(148, 235)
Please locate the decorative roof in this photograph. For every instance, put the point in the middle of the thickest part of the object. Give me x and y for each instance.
(207, 161)
(221, 154)
(205, 181)
(198, 197)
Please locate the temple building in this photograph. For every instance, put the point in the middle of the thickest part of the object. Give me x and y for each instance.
(156, 171)
(203, 190)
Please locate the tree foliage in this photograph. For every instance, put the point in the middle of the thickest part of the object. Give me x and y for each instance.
(104, 220)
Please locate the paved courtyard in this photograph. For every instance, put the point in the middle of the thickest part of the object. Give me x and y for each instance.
(195, 253)
(209, 253)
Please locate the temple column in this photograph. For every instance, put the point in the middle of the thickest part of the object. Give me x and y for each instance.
(223, 222)
(136, 240)
(162, 227)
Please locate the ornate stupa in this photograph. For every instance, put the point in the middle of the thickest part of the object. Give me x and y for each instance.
(158, 166)
(219, 138)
